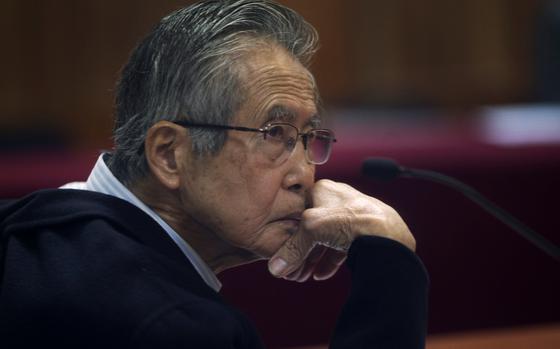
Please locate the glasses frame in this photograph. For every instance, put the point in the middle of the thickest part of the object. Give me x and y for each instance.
(264, 130)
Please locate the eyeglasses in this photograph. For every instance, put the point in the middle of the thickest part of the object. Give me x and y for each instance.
(280, 140)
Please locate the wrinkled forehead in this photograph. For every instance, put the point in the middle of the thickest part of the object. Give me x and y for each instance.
(278, 88)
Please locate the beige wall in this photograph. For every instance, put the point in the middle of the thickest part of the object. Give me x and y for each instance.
(60, 58)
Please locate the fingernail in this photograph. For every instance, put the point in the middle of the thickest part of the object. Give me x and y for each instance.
(276, 266)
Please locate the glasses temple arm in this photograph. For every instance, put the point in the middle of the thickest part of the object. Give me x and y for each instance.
(221, 127)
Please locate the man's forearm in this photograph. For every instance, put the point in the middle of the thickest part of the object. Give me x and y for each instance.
(387, 306)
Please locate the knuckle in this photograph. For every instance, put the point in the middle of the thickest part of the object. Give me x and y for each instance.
(308, 225)
(311, 218)
(324, 181)
(362, 204)
(324, 184)
(308, 214)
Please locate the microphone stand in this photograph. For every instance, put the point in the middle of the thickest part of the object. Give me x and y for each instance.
(387, 169)
(506, 218)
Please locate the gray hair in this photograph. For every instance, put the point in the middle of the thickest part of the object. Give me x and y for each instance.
(186, 69)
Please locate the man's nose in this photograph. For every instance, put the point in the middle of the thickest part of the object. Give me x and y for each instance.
(301, 173)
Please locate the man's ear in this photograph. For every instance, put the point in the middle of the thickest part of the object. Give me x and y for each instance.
(166, 148)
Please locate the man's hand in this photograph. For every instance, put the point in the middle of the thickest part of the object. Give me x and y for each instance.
(339, 214)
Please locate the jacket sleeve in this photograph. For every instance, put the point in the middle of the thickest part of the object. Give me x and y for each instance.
(387, 305)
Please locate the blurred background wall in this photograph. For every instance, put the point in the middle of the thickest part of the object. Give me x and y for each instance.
(60, 58)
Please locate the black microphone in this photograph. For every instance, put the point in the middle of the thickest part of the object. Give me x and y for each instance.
(387, 169)
(381, 168)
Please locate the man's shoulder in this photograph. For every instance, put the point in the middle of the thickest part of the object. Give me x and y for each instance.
(86, 228)
(68, 253)
(81, 215)
(48, 205)
(69, 232)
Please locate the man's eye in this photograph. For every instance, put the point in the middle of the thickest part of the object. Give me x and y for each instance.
(276, 132)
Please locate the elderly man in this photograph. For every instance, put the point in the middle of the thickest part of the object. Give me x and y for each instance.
(216, 141)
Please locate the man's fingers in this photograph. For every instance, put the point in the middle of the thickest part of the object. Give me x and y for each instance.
(330, 263)
(322, 263)
(330, 227)
(338, 214)
(304, 272)
(319, 226)
(292, 254)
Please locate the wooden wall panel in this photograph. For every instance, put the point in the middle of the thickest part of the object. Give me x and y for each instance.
(61, 58)
(440, 52)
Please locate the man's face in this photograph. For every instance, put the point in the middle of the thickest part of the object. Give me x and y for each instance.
(240, 195)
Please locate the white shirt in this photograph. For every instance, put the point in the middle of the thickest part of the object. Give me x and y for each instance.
(102, 180)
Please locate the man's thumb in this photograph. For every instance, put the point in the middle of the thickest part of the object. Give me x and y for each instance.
(291, 255)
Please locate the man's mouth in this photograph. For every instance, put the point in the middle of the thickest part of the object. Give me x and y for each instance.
(291, 221)
(296, 216)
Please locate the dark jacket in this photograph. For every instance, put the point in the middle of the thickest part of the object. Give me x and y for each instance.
(80, 269)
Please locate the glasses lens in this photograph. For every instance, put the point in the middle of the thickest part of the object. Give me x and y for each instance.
(319, 146)
(280, 140)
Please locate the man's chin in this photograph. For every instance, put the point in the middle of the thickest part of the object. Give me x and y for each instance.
(272, 238)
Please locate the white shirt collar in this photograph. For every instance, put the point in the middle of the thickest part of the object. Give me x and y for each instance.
(102, 180)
